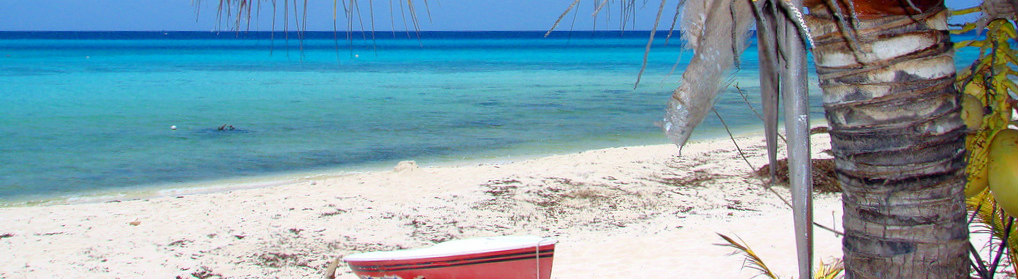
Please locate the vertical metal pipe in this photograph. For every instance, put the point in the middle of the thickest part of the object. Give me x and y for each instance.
(796, 99)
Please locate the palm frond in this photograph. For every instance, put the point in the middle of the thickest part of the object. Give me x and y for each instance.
(717, 36)
(752, 261)
(829, 271)
(237, 14)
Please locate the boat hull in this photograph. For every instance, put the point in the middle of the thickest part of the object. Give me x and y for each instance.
(529, 263)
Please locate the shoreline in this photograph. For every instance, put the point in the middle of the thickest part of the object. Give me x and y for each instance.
(226, 184)
(662, 210)
(206, 186)
(223, 184)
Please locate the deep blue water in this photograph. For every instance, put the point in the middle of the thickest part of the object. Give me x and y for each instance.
(83, 113)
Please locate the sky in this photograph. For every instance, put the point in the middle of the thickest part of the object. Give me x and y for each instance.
(445, 15)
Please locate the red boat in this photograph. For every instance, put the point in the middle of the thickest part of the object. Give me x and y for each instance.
(505, 257)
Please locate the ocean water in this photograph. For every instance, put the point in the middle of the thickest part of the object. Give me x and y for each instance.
(91, 113)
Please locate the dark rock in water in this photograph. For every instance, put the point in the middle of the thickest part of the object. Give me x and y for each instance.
(225, 129)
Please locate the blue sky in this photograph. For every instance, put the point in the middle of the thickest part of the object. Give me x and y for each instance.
(446, 15)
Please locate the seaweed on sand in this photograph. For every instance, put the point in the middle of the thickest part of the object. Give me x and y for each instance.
(824, 179)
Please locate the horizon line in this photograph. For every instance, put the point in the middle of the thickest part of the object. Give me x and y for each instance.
(332, 31)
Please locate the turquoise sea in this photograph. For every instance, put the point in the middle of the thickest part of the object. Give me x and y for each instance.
(90, 113)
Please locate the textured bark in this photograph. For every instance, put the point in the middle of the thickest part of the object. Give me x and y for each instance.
(898, 140)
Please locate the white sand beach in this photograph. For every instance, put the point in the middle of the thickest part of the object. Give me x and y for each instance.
(628, 212)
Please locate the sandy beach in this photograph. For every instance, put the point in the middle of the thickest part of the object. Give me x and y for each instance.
(627, 212)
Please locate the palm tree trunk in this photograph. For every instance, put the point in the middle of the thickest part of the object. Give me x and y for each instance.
(898, 140)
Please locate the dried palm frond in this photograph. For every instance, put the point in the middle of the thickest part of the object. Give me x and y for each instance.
(829, 271)
(692, 21)
(236, 14)
(1006, 10)
(752, 260)
(824, 271)
(717, 31)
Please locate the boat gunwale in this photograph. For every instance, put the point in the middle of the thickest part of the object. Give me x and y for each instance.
(452, 262)
(537, 244)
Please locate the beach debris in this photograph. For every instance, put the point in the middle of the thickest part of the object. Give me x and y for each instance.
(738, 205)
(134, 223)
(335, 212)
(280, 259)
(405, 166)
(179, 243)
(239, 236)
(819, 130)
(203, 273)
(330, 270)
(824, 179)
(6, 235)
(687, 179)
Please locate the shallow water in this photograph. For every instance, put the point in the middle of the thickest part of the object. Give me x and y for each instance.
(91, 112)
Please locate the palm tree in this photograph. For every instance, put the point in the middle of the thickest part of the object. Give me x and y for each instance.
(887, 73)
(886, 69)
